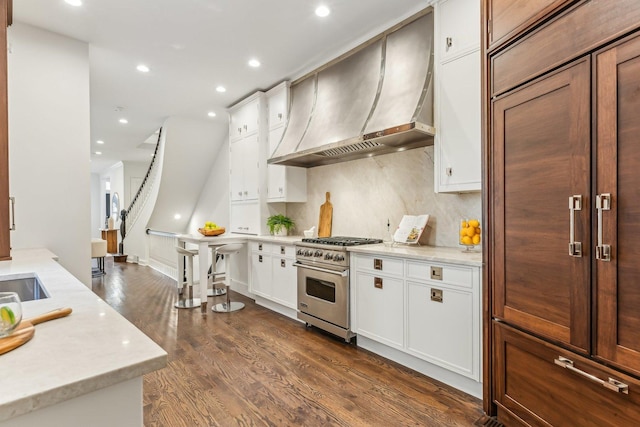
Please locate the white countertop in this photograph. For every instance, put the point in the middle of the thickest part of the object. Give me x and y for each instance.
(423, 253)
(454, 255)
(93, 348)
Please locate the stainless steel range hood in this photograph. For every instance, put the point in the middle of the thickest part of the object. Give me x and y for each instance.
(376, 100)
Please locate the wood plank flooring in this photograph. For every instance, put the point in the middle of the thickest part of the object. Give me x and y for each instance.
(257, 368)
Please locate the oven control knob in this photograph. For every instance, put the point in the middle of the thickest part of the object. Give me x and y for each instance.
(318, 253)
(328, 256)
(338, 258)
(300, 252)
(308, 253)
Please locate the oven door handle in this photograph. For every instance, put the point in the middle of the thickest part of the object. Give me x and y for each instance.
(344, 273)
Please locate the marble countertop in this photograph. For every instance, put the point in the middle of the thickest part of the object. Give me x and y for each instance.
(93, 348)
(423, 253)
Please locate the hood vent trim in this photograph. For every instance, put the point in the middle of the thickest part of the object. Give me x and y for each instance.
(377, 99)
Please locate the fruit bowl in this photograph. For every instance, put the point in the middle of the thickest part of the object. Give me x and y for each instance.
(469, 233)
(211, 231)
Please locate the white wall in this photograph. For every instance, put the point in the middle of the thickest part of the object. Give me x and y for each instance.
(97, 206)
(134, 173)
(189, 153)
(49, 129)
(366, 193)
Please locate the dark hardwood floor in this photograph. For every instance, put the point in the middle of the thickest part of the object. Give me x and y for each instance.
(258, 368)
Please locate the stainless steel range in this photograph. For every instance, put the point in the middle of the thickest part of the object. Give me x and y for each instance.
(323, 282)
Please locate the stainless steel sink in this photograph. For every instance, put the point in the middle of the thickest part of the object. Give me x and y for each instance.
(27, 286)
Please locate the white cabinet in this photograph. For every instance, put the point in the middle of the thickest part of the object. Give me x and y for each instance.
(284, 183)
(273, 276)
(245, 117)
(441, 327)
(380, 308)
(244, 179)
(248, 165)
(245, 218)
(428, 310)
(261, 283)
(457, 96)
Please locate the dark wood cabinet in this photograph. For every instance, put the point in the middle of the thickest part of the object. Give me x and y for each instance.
(562, 207)
(541, 149)
(511, 17)
(617, 184)
(5, 244)
(111, 236)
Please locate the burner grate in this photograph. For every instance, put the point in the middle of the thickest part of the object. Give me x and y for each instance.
(342, 241)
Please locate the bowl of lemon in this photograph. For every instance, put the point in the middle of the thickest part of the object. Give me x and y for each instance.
(10, 312)
(469, 233)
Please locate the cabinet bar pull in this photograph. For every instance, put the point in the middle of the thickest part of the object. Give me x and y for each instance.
(13, 213)
(377, 264)
(603, 203)
(575, 204)
(377, 282)
(611, 384)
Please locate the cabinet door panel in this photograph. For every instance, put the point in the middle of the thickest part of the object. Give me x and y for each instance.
(541, 158)
(236, 171)
(446, 332)
(261, 274)
(380, 308)
(530, 384)
(508, 16)
(618, 126)
(458, 136)
(284, 286)
(458, 26)
(251, 176)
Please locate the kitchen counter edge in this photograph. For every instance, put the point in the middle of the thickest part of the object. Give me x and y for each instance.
(442, 254)
(93, 348)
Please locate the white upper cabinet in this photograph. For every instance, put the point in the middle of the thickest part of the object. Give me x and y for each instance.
(458, 27)
(457, 96)
(245, 118)
(284, 183)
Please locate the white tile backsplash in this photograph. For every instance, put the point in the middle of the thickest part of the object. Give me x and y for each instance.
(367, 192)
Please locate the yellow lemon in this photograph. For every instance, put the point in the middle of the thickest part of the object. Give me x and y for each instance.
(478, 231)
(464, 224)
(463, 232)
(466, 240)
(6, 314)
(471, 231)
(474, 223)
(476, 239)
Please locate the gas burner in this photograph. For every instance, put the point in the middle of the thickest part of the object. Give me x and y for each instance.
(341, 241)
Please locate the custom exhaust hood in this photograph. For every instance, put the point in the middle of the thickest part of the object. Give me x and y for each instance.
(376, 100)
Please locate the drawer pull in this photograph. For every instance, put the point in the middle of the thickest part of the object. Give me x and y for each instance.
(377, 282)
(377, 264)
(611, 384)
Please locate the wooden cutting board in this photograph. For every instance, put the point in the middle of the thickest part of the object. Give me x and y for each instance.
(25, 330)
(326, 216)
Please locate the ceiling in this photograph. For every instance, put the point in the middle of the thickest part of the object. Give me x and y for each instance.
(193, 46)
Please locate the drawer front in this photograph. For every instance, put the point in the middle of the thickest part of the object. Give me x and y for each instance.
(380, 265)
(261, 247)
(284, 250)
(441, 273)
(531, 384)
(583, 28)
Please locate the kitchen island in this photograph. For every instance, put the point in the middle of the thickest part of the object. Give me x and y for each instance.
(83, 369)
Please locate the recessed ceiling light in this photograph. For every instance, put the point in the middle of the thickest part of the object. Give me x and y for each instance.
(322, 11)
(74, 2)
(123, 121)
(99, 153)
(143, 68)
(254, 63)
(221, 89)
(99, 141)
(177, 216)
(211, 114)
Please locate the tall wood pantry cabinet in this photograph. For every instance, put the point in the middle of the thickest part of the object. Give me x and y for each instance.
(5, 244)
(562, 200)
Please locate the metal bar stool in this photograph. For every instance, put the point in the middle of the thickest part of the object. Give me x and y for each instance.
(228, 306)
(187, 286)
(211, 280)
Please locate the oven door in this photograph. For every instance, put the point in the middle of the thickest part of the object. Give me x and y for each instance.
(324, 293)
